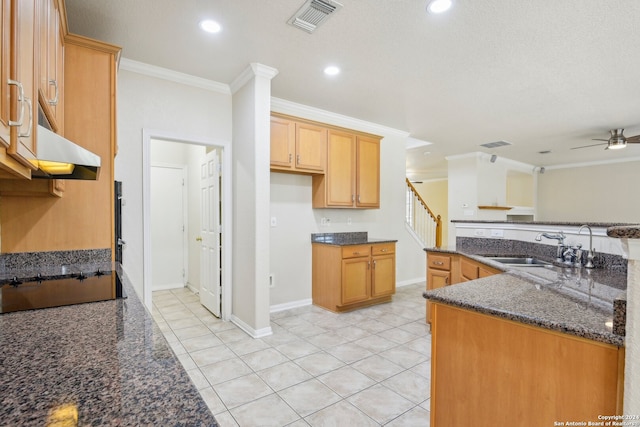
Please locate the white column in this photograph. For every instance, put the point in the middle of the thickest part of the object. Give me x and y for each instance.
(251, 111)
(632, 341)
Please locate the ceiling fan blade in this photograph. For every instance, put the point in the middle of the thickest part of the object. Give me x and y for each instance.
(587, 146)
(634, 139)
(599, 139)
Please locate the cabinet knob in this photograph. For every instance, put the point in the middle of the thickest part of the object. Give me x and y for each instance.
(438, 262)
(290, 157)
(383, 250)
(356, 253)
(198, 239)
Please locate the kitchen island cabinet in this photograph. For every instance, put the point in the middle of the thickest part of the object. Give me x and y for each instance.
(531, 346)
(499, 372)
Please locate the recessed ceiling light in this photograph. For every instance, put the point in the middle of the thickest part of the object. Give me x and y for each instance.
(332, 70)
(210, 26)
(438, 6)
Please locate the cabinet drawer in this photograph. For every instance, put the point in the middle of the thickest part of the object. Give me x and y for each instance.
(353, 251)
(441, 262)
(383, 249)
(468, 269)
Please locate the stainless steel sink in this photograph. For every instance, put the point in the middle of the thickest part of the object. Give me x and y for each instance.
(524, 262)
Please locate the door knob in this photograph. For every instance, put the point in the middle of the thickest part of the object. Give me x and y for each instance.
(198, 239)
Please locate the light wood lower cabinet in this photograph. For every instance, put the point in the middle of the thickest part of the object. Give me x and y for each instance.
(444, 269)
(349, 277)
(498, 372)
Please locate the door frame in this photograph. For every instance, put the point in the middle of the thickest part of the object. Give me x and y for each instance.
(227, 205)
(185, 223)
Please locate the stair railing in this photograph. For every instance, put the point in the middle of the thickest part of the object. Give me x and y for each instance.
(426, 226)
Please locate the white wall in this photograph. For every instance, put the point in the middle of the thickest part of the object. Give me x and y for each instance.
(152, 103)
(296, 220)
(604, 193)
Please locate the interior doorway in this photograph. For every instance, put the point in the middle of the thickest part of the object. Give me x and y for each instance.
(168, 226)
(190, 152)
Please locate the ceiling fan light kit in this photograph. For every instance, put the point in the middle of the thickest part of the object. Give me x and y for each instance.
(616, 141)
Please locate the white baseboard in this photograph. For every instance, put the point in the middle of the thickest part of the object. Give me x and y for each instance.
(254, 333)
(289, 305)
(167, 287)
(193, 289)
(414, 281)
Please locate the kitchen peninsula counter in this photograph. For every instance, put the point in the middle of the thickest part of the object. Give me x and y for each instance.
(106, 362)
(588, 303)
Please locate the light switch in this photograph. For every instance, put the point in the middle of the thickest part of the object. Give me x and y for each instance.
(274, 221)
(497, 233)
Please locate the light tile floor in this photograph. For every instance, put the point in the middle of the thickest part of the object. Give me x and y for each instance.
(368, 367)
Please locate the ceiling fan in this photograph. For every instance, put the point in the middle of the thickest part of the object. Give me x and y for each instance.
(616, 140)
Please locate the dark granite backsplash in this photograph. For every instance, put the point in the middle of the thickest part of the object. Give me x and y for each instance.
(506, 247)
(33, 260)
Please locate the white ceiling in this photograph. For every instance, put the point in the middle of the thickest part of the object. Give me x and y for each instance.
(543, 75)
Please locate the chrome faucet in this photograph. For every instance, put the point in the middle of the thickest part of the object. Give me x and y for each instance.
(560, 238)
(590, 254)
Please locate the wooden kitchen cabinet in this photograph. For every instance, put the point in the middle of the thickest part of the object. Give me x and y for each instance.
(352, 177)
(23, 73)
(51, 71)
(353, 276)
(439, 273)
(490, 370)
(445, 269)
(18, 116)
(297, 146)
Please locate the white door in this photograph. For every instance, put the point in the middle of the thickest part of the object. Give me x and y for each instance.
(167, 227)
(210, 233)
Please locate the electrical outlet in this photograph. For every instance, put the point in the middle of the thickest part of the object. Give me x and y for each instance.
(328, 222)
(272, 282)
(497, 233)
(349, 220)
(479, 232)
(323, 221)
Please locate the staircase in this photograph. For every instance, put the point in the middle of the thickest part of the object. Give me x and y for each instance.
(425, 226)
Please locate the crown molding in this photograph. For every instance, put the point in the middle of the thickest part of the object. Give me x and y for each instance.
(594, 163)
(253, 70)
(173, 76)
(283, 106)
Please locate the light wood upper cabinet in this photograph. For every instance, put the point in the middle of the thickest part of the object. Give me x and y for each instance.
(367, 172)
(23, 107)
(340, 174)
(352, 178)
(297, 146)
(51, 72)
(5, 69)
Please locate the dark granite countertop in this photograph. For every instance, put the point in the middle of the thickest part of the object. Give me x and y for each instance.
(589, 303)
(622, 232)
(345, 239)
(106, 360)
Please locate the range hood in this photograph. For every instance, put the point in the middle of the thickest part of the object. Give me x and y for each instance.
(59, 158)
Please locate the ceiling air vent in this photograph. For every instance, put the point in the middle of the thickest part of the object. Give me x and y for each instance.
(313, 13)
(495, 144)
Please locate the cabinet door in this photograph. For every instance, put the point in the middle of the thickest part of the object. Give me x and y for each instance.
(436, 279)
(356, 280)
(5, 67)
(23, 107)
(367, 172)
(311, 145)
(51, 60)
(468, 270)
(384, 275)
(340, 172)
(283, 135)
